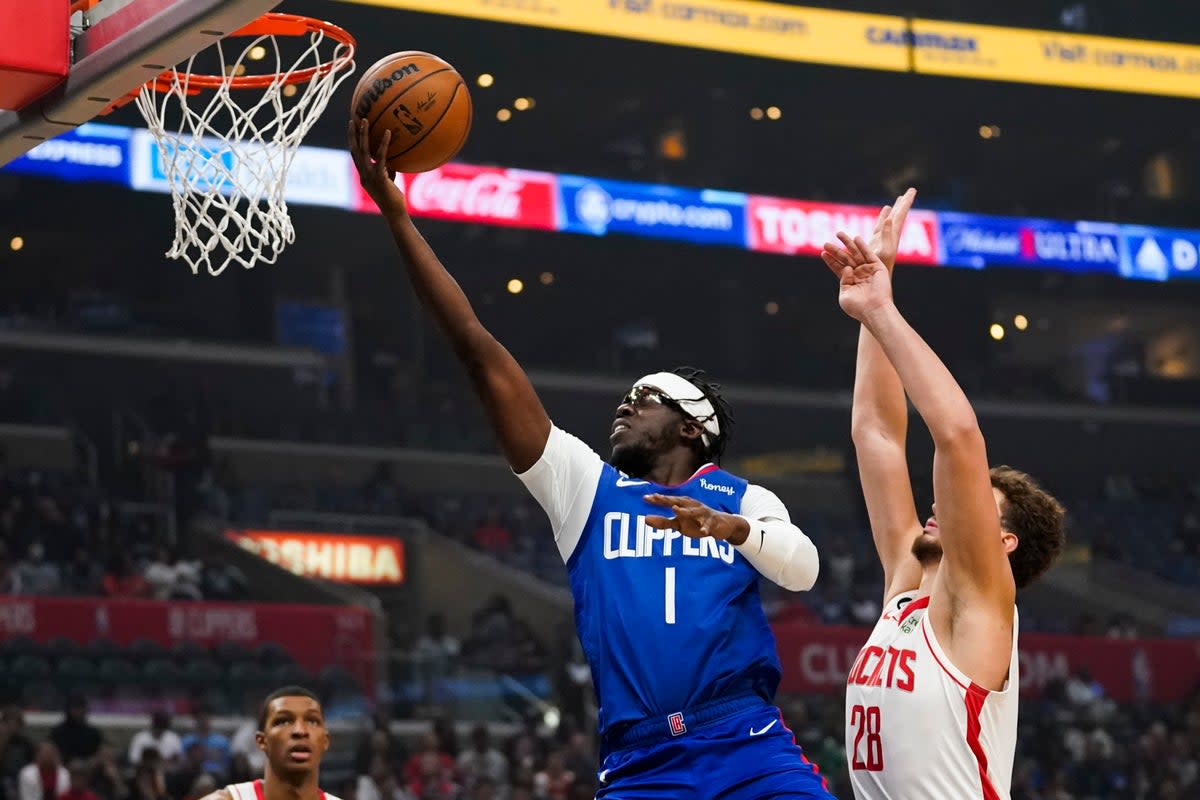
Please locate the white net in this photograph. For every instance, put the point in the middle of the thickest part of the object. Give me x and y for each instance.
(225, 152)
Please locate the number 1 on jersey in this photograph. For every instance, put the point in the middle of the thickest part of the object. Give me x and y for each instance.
(669, 610)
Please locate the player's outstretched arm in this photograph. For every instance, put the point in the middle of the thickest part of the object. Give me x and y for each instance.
(512, 405)
(879, 427)
(974, 560)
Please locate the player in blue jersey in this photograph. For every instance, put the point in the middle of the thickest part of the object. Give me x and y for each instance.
(663, 548)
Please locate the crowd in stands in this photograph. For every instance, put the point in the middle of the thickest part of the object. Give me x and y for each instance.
(1074, 743)
(59, 535)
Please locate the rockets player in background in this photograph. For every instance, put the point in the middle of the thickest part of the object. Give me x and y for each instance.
(293, 736)
(663, 551)
(931, 701)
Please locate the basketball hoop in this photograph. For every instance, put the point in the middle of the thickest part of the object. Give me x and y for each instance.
(226, 157)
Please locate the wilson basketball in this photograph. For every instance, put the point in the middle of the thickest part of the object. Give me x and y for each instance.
(423, 101)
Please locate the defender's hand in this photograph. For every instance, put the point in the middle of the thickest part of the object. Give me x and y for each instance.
(885, 239)
(696, 520)
(378, 181)
(865, 283)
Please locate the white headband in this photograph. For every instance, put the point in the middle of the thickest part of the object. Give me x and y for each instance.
(688, 396)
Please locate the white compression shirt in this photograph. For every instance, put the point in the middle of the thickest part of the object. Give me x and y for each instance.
(565, 479)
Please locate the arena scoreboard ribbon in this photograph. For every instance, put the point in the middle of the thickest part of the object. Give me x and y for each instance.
(770, 30)
(851, 39)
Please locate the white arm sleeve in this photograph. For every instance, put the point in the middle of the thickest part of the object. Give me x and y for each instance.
(564, 482)
(777, 548)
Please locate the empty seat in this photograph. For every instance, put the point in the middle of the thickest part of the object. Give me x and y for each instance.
(162, 673)
(187, 651)
(202, 674)
(145, 650)
(116, 672)
(272, 654)
(231, 653)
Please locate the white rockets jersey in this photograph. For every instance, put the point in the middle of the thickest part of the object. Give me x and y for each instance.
(253, 790)
(916, 727)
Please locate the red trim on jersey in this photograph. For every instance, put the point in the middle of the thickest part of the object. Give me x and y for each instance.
(975, 698)
(258, 791)
(915, 605)
(704, 470)
(933, 652)
(816, 769)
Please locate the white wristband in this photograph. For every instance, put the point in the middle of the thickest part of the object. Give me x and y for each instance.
(782, 553)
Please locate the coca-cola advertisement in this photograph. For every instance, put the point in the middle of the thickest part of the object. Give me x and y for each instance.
(796, 227)
(487, 195)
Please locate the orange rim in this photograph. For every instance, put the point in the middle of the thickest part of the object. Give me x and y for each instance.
(270, 24)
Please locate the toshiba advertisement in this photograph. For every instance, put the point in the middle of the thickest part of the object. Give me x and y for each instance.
(332, 556)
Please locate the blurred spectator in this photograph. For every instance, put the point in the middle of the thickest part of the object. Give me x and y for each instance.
(45, 778)
(434, 655)
(159, 736)
(244, 742)
(10, 578)
(581, 755)
(82, 575)
(484, 789)
(148, 781)
(204, 785)
(180, 778)
(841, 564)
(106, 778)
(16, 750)
(482, 761)
(492, 536)
(75, 737)
(38, 576)
(216, 749)
(172, 579)
(429, 766)
(222, 581)
(122, 581)
(553, 782)
(80, 774)
(436, 647)
(379, 783)
(379, 743)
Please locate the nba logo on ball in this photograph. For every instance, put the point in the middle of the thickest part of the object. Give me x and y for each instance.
(594, 206)
(676, 722)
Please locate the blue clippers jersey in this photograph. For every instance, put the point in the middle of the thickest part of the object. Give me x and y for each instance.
(666, 621)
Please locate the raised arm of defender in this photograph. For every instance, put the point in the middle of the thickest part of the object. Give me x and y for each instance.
(879, 426)
(512, 405)
(975, 564)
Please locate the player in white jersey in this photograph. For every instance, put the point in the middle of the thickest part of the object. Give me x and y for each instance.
(931, 701)
(292, 734)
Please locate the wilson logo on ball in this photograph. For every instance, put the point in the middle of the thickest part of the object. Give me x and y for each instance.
(381, 85)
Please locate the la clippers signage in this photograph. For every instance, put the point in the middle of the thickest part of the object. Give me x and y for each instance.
(795, 227)
(819, 658)
(316, 636)
(485, 195)
(331, 556)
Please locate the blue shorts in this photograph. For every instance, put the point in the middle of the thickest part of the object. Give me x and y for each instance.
(745, 754)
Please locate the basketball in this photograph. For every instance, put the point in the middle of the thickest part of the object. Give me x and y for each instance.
(423, 101)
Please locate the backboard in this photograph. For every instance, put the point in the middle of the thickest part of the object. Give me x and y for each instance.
(117, 46)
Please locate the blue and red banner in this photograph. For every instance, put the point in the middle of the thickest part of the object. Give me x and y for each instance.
(599, 207)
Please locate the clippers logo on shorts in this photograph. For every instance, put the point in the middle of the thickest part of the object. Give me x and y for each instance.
(677, 726)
